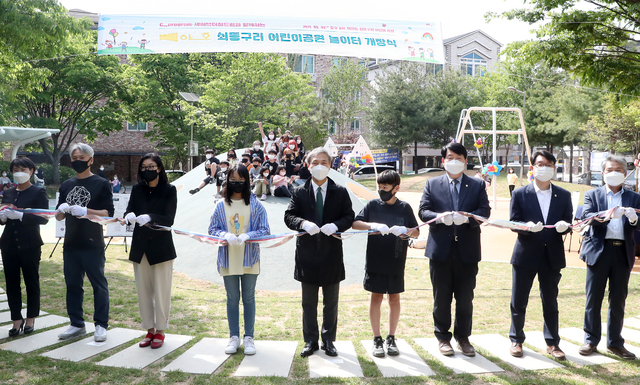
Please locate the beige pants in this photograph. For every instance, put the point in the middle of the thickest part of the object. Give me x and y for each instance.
(154, 292)
(261, 188)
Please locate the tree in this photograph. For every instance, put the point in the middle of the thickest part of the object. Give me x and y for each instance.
(343, 88)
(79, 93)
(252, 87)
(617, 130)
(598, 44)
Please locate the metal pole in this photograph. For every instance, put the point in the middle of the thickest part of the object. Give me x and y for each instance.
(495, 178)
(524, 100)
(190, 156)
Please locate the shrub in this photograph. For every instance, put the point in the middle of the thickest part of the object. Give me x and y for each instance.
(47, 170)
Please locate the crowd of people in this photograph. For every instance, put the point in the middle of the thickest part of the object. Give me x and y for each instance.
(322, 210)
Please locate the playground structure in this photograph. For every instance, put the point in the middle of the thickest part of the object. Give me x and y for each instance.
(462, 129)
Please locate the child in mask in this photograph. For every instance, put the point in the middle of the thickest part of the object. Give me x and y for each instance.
(281, 183)
(269, 140)
(221, 177)
(262, 183)
(254, 170)
(116, 184)
(5, 181)
(256, 150)
(210, 168)
(272, 162)
(386, 255)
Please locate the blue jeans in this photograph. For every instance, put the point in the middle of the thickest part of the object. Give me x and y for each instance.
(232, 285)
(77, 263)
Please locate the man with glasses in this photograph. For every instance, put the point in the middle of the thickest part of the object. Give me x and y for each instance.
(83, 253)
(539, 251)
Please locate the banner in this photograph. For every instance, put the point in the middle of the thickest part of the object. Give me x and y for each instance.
(386, 155)
(386, 39)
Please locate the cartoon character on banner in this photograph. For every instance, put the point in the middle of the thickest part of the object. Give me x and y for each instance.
(143, 43)
(492, 169)
(108, 43)
(479, 143)
(421, 50)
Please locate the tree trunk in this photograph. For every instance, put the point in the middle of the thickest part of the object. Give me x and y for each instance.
(56, 173)
(415, 157)
(400, 157)
(587, 164)
(571, 163)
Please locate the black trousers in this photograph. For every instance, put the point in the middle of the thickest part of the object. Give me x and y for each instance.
(28, 261)
(522, 281)
(330, 294)
(511, 188)
(453, 279)
(614, 267)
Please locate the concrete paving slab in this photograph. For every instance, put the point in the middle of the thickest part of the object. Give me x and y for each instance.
(5, 305)
(5, 317)
(408, 363)
(577, 335)
(202, 358)
(3, 297)
(272, 358)
(87, 347)
(39, 340)
(499, 346)
(346, 364)
(137, 358)
(632, 322)
(41, 323)
(1, 290)
(570, 350)
(627, 333)
(458, 362)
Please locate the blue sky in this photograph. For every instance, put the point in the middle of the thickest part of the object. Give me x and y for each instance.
(456, 16)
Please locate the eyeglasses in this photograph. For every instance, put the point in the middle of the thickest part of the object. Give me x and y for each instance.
(150, 168)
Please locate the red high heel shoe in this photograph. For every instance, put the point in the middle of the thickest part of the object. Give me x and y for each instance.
(144, 343)
(156, 345)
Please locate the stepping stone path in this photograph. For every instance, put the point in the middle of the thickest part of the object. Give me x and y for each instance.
(499, 346)
(458, 362)
(272, 358)
(275, 358)
(408, 363)
(344, 365)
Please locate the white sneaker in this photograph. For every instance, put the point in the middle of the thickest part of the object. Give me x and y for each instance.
(232, 346)
(249, 346)
(100, 335)
(263, 197)
(72, 331)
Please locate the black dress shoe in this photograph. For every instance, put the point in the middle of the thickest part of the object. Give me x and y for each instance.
(622, 352)
(329, 349)
(30, 329)
(14, 332)
(308, 349)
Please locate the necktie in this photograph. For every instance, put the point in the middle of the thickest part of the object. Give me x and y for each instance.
(319, 205)
(454, 195)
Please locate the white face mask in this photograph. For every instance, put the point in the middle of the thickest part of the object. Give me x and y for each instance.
(319, 172)
(291, 146)
(272, 157)
(454, 166)
(101, 168)
(208, 156)
(299, 141)
(256, 147)
(613, 178)
(4, 174)
(271, 137)
(543, 174)
(21, 177)
(266, 174)
(115, 178)
(283, 173)
(223, 169)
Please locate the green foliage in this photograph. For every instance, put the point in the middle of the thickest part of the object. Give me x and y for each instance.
(343, 89)
(597, 43)
(47, 171)
(617, 129)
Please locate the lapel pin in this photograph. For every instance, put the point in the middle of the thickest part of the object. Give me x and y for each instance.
(466, 185)
(555, 195)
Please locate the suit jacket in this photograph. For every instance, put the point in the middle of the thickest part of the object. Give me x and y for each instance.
(530, 247)
(160, 204)
(25, 233)
(593, 244)
(436, 199)
(319, 259)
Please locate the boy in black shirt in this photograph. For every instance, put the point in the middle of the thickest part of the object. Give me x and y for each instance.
(221, 177)
(386, 255)
(83, 253)
(272, 162)
(210, 168)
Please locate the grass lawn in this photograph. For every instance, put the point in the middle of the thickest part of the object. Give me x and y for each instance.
(415, 183)
(198, 309)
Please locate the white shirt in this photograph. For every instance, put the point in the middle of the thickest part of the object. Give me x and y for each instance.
(544, 200)
(615, 229)
(323, 188)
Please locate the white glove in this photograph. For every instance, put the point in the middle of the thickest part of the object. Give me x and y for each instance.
(64, 208)
(329, 229)
(130, 218)
(310, 227)
(617, 213)
(143, 219)
(534, 227)
(242, 238)
(631, 214)
(78, 211)
(3, 215)
(231, 238)
(459, 219)
(13, 214)
(382, 228)
(398, 230)
(447, 219)
(562, 226)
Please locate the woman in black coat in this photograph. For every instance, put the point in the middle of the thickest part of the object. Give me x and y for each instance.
(153, 200)
(20, 244)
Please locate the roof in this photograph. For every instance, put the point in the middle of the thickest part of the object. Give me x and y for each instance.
(23, 135)
(450, 40)
(79, 13)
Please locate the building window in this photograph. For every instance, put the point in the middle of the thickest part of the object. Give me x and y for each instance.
(355, 125)
(339, 60)
(473, 64)
(305, 64)
(136, 126)
(434, 69)
(331, 127)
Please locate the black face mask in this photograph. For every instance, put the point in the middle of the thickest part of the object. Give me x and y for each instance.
(80, 166)
(245, 161)
(149, 175)
(385, 195)
(236, 187)
(231, 156)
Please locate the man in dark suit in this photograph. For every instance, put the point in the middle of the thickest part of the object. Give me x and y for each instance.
(319, 205)
(539, 251)
(608, 250)
(453, 250)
